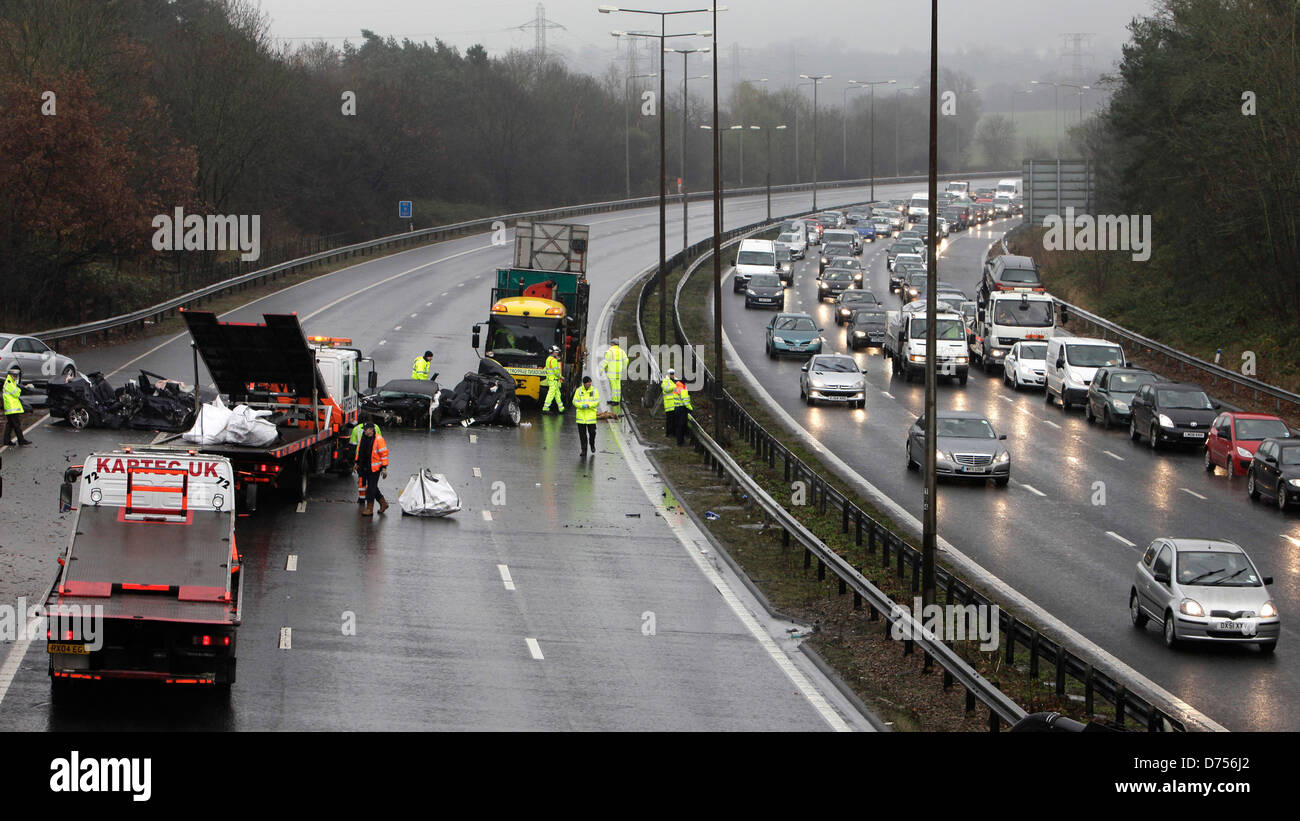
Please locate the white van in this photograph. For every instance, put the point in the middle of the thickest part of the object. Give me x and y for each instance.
(918, 206)
(847, 236)
(959, 187)
(1072, 361)
(1009, 187)
(755, 256)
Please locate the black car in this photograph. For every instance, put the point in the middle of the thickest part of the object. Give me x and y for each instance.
(834, 282)
(149, 402)
(404, 403)
(849, 301)
(483, 397)
(898, 276)
(1275, 472)
(766, 290)
(865, 329)
(1111, 394)
(1171, 413)
(831, 250)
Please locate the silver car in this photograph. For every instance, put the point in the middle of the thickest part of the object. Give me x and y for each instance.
(967, 447)
(1025, 365)
(1203, 590)
(833, 378)
(39, 364)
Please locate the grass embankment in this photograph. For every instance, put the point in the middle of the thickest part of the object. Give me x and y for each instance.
(894, 686)
(1144, 298)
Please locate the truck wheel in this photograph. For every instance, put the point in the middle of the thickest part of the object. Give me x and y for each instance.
(302, 482)
(79, 416)
(963, 377)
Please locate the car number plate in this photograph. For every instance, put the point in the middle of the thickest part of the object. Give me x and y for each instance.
(63, 647)
(1193, 435)
(1246, 628)
(974, 469)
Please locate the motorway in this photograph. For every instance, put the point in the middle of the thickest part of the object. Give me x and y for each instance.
(1082, 504)
(530, 614)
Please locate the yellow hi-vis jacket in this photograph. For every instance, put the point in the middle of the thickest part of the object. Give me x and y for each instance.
(11, 392)
(670, 394)
(585, 402)
(683, 396)
(615, 363)
(420, 368)
(553, 370)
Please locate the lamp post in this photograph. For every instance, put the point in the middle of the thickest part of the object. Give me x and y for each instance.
(662, 37)
(717, 253)
(872, 127)
(853, 85)
(1056, 111)
(898, 117)
(1080, 89)
(816, 81)
(1013, 104)
(627, 128)
(797, 175)
(686, 53)
(930, 500)
(769, 162)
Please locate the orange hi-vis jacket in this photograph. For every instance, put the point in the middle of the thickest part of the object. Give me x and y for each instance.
(378, 454)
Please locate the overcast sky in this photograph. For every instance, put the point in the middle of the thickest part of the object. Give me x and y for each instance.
(764, 28)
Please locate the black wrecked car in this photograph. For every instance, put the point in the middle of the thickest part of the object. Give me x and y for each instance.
(485, 397)
(149, 402)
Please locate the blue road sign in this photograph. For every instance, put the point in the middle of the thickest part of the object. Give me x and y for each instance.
(404, 209)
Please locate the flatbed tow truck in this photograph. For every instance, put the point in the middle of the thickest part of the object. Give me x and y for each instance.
(311, 386)
(149, 586)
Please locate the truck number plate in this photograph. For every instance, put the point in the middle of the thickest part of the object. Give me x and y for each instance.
(63, 647)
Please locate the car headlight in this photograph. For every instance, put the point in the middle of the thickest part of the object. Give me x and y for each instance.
(845, 311)
(1245, 454)
(1268, 611)
(750, 292)
(778, 339)
(1191, 607)
(998, 352)
(1122, 407)
(917, 357)
(1166, 422)
(1004, 457)
(859, 333)
(944, 455)
(961, 360)
(1293, 482)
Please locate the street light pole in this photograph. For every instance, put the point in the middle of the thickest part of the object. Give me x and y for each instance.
(872, 128)
(853, 85)
(627, 128)
(717, 254)
(768, 131)
(1013, 106)
(929, 527)
(1056, 112)
(817, 79)
(686, 105)
(898, 117)
(663, 37)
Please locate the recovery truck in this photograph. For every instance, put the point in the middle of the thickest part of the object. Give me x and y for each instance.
(542, 300)
(149, 586)
(312, 387)
(1004, 318)
(905, 342)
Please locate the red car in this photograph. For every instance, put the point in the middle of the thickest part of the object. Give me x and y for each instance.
(1235, 436)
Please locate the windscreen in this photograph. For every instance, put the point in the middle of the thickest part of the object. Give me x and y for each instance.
(1216, 569)
(950, 330)
(1262, 429)
(1033, 352)
(1094, 356)
(1127, 382)
(1017, 314)
(1025, 275)
(835, 364)
(1184, 399)
(764, 258)
(519, 340)
(765, 281)
(965, 428)
(795, 323)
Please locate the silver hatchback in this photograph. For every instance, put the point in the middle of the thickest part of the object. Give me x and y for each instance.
(1203, 590)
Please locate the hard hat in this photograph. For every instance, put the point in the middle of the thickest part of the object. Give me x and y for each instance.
(555, 349)
(671, 371)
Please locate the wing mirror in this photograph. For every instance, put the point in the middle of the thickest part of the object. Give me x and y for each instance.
(474, 339)
(805, 366)
(1002, 436)
(1163, 578)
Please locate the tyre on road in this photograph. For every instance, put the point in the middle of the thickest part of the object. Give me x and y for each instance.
(1135, 613)
(1170, 631)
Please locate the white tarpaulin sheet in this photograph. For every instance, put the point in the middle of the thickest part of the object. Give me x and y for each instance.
(218, 425)
(429, 494)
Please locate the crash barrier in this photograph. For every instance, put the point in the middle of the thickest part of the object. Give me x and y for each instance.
(156, 313)
(893, 551)
(1105, 329)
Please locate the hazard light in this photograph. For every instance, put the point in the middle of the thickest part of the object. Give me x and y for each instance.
(498, 308)
(556, 311)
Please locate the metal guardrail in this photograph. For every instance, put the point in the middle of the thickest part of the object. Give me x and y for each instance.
(893, 550)
(1103, 327)
(411, 238)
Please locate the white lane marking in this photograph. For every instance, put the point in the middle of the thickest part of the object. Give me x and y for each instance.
(478, 473)
(1053, 424)
(428, 305)
(383, 342)
(505, 577)
(1194, 493)
(1073, 459)
(1113, 455)
(15, 658)
(1032, 489)
(534, 649)
(473, 437)
(1006, 398)
(302, 507)
(444, 293)
(291, 564)
(1119, 538)
(1023, 409)
(397, 327)
(887, 393)
(460, 285)
(413, 316)
(487, 515)
(286, 638)
(1292, 539)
